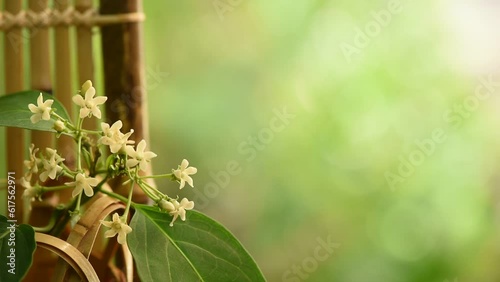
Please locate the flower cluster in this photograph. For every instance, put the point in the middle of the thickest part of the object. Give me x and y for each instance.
(118, 156)
(176, 209)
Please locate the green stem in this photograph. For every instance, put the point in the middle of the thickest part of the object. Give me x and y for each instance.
(54, 188)
(116, 196)
(91, 131)
(157, 176)
(79, 153)
(148, 188)
(129, 201)
(79, 201)
(52, 222)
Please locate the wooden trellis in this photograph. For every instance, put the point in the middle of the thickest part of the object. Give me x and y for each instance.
(50, 30)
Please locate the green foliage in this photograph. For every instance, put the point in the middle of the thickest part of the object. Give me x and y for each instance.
(199, 249)
(16, 250)
(14, 111)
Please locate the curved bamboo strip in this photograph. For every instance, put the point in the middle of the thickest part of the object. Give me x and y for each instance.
(85, 233)
(69, 253)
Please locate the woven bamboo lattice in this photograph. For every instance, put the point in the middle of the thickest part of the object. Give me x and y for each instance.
(68, 17)
(50, 31)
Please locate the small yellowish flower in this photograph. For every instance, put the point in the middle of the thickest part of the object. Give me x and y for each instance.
(118, 226)
(30, 192)
(113, 137)
(139, 156)
(183, 173)
(42, 110)
(51, 166)
(83, 183)
(33, 162)
(179, 209)
(89, 104)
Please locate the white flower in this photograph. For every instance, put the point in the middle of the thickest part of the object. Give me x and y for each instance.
(89, 105)
(83, 183)
(118, 226)
(33, 162)
(52, 153)
(139, 157)
(183, 172)
(114, 138)
(51, 166)
(30, 192)
(179, 209)
(42, 111)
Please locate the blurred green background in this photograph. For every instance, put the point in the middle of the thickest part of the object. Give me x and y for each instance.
(219, 70)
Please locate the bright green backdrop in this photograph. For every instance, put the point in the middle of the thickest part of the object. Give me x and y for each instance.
(214, 81)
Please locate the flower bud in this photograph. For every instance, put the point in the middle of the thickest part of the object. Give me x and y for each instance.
(166, 205)
(86, 86)
(59, 126)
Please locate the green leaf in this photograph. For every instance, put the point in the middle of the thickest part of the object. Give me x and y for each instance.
(14, 111)
(199, 249)
(17, 245)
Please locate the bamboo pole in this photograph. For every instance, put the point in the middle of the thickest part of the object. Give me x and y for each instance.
(14, 81)
(40, 68)
(124, 79)
(84, 53)
(40, 62)
(63, 87)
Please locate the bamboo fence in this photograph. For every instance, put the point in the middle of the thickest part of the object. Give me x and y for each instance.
(49, 31)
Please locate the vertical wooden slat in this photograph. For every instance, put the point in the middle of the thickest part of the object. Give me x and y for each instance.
(124, 69)
(63, 87)
(40, 68)
(84, 45)
(84, 53)
(14, 81)
(124, 79)
(40, 79)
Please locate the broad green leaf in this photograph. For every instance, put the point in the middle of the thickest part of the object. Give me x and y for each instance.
(199, 249)
(14, 111)
(17, 245)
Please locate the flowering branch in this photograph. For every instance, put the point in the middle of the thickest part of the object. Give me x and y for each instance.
(101, 155)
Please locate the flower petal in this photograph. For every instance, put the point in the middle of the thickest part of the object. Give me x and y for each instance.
(191, 170)
(78, 99)
(184, 164)
(96, 112)
(88, 191)
(122, 237)
(132, 162)
(39, 100)
(189, 180)
(149, 155)
(84, 112)
(107, 223)
(188, 205)
(76, 191)
(35, 118)
(46, 115)
(89, 94)
(183, 182)
(100, 100)
(110, 233)
(141, 146)
(33, 108)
